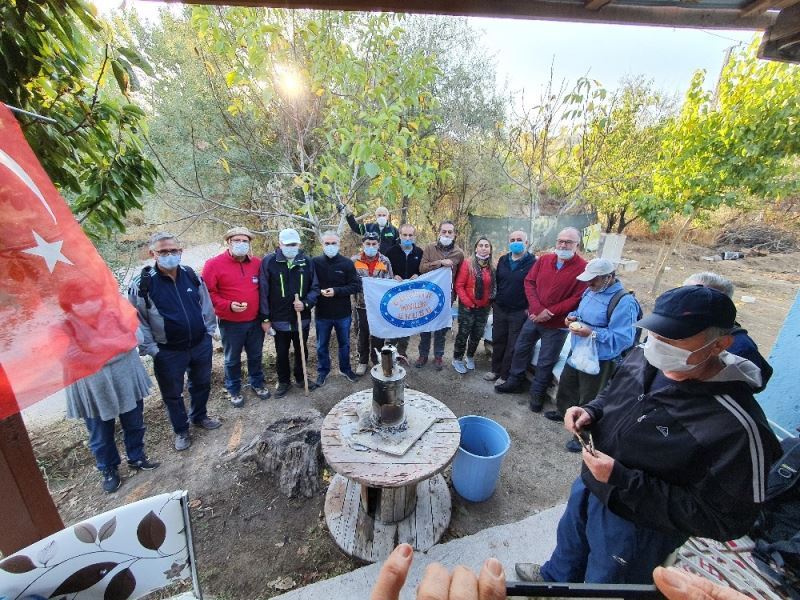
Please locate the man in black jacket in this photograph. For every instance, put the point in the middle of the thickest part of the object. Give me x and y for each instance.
(338, 281)
(674, 446)
(286, 273)
(405, 258)
(510, 304)
(387, 234)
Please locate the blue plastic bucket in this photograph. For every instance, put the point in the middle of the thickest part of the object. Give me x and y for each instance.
(476, 468)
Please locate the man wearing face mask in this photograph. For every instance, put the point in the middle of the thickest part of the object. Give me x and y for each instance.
(388, 235)
(552, 290)
(405, 258)
(509, 308)
(284, 274)
(338, 281)
(232, 280)
(176, 320)
(612, 336)
(444, 253)
(679, 447)
(368, 263)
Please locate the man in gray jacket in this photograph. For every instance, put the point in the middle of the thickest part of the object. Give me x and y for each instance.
(177, 319)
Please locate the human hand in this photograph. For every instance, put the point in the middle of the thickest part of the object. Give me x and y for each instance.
(576, 419)
(298, 305)
(599, 464)
(413, 276)
(446, 262)
(327, 292)
(543, 316)
(398, 278)
(676, 584)
(238, 307)
(582, 331)
(437, 582)
(266, 326)
(569, 320)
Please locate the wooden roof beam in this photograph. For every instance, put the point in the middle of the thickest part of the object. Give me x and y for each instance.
(759, 7)
(595, 4)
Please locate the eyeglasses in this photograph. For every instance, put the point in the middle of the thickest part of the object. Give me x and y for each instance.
(173, 252)
(566, 242)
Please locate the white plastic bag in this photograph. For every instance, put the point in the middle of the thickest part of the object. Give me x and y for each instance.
(584, 355)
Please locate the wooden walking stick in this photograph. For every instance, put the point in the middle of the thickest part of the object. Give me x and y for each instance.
(302, 345)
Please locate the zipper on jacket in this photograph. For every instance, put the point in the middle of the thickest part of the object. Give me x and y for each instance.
(283, 290)
(183, 308)
(301, 285)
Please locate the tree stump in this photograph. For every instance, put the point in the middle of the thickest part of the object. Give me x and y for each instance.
(290, 449)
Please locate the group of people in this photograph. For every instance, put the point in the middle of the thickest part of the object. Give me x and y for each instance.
(672, 440)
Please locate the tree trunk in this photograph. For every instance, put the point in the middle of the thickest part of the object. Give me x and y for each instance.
(290, 449)
(668, 253)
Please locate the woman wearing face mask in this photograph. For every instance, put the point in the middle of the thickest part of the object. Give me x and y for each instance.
(610, 323)
(475, 287)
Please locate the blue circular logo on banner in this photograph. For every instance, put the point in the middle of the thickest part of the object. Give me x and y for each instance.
(412, 304)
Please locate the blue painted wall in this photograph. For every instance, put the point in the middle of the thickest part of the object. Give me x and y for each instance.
(781, 399)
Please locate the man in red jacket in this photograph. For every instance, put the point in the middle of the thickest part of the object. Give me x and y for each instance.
(552, 291)
(232, 280)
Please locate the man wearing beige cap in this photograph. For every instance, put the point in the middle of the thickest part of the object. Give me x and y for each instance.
(232, 280)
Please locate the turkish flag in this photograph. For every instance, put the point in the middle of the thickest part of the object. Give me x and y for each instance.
(62, 316)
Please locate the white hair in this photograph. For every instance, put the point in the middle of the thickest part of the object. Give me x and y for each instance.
(160, 236)
(330, 233)
(711, 280)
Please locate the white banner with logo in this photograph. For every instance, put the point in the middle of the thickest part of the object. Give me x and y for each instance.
(401, 308)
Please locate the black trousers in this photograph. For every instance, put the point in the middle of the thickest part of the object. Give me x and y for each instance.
(283, 340)
(366, 343)
(505, 329)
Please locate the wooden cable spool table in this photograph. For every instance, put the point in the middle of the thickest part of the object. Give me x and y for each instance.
(377, 500)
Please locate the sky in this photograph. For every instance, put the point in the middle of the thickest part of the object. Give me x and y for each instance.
(525, 49)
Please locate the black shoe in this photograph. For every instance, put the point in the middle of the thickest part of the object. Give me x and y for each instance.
(554, 415)
(282, 390)
(208, 423)
(261, 392)
(320, 380)
(350, 376)
(144, 464)
(536, 403)
(111, 480)
(182, 441)
(573, 446)
(511, 386)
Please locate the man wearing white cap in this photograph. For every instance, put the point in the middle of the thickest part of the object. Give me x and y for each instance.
(286, 273)
(232, 280)
(604, 318)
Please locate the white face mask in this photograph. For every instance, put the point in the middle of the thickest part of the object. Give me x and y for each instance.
(482, 256)
(382, 221)
(565, 254)
(666, 357)
(240, 248)
(290, 252)
(331, 250)
(445, 241)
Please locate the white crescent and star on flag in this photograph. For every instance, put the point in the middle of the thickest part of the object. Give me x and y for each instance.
(49, 251)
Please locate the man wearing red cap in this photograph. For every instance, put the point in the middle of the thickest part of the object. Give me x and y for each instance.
(674, 446)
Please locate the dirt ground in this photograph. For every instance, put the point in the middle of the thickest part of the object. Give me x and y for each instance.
(254, 543)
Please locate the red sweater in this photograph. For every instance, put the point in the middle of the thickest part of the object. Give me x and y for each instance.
(229, 280)
(556, 290)
(465, 286)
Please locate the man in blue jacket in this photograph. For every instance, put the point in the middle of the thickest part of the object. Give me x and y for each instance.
(176, 318)
(674, 446)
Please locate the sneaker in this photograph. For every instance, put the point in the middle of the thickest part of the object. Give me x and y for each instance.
(469, 362)
(261, 392)
(438, 364)
(320, 380)
(554, 415)
(350, 376)
(511, 386)
(282, 390)
(458, 365)
(536, 403)
(182, 441)
(499, 381)
(529, 572)
(237, 401)
(490, 376)
(208, 423)
(143, 464)
(111, 481)
(573, 445)
(312, 385)
(361, 369)
(421, 362)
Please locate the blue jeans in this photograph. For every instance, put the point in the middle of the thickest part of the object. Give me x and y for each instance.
(247, 336)
(103, 445)
(438, 342)
(170, 367)
(324, 327)
(552, 340)
(593, 545)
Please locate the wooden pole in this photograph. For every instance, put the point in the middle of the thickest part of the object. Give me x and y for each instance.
(302, 344)
(27, 511)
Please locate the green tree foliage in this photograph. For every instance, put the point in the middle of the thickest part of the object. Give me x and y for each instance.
(58, 60)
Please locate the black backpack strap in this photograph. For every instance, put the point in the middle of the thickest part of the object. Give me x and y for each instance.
(785, 473)
(612, 304)
(144, 284)
(192, 275)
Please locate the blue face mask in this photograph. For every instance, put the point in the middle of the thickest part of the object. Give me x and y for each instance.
(406, 243)
(565, 254)
(169, 262)
(290, 251)
(516, 247)
(371, 251)
(331, 250)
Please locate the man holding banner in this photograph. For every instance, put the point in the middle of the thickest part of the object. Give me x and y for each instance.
(405, 258)
(443, 254)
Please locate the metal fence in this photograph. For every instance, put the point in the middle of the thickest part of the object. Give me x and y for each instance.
(542, 230)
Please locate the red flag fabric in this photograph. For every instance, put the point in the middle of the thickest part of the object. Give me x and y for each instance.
(62, 316)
